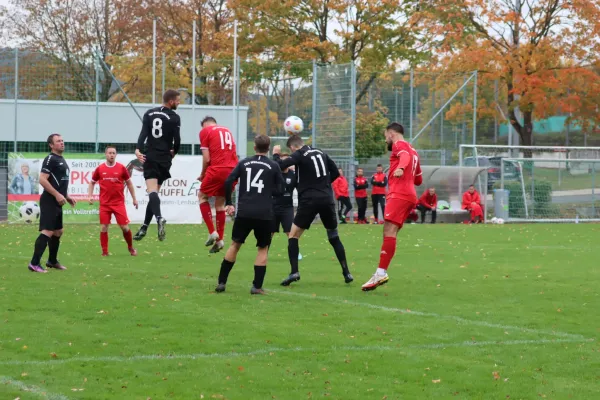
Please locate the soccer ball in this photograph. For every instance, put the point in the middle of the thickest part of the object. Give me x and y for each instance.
(29, 212)
(293, 125)
(494, 220)
(500, 221)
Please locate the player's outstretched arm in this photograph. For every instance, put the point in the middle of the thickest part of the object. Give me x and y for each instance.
(288, 162)
(233, 176)
(144, 133)
(333, 169)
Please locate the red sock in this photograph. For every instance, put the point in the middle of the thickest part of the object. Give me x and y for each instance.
(128, 239)
(388, 249)
(104, 241)
(221, 224)
(207, 216)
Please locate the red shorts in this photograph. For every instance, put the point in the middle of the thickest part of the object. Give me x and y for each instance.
(398, 210)
(214, 181)
(119, 212)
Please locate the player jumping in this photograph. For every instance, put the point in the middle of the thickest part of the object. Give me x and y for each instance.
(160, 132)
(111, 176)
(219, 158)
(259, 178)
(404, 174)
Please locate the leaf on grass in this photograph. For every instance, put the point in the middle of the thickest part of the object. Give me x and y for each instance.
(559, 310)
(240, 368)
(17, 339)
(496, 375)
(436, 380)
(24, 374)
(101, 312)
(53, 355)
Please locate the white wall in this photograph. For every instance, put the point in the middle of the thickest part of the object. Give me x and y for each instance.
(117, 122)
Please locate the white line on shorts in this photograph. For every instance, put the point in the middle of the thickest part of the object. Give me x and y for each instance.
(5, 380)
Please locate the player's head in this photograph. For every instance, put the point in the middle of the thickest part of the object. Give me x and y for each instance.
(262, 144)
(379, 168)
(341, 171)
(432, 191)
(295, 142)
(208, 121)
(393, 133)
(56, 143)
(110, 152)
(359, 172)
(472, 189)
(171, 99)
(24, 168)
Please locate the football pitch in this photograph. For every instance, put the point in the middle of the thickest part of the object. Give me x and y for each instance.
(470, 312)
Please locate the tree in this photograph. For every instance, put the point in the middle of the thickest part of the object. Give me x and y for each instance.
(539, 50)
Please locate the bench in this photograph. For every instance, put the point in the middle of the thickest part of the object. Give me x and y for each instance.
(448, 216)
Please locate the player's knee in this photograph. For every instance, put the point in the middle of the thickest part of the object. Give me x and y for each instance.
(124, 228)
(202, 197)
(58, 233)
(332, 234)
(104, 228)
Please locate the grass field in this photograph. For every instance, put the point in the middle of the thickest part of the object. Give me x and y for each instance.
(470, 312)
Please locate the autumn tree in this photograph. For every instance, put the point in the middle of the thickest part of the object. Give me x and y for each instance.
(541, 51)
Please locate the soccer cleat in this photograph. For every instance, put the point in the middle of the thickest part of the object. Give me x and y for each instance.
(141, 233)
(217, 247)
(132, 251)
(295, 277)
(212, 238)
(58, 266)
(375, 282)
(36, 268)
(161, 229)
(104, 254)
(220, 288)
(256, 290)
(348, 277)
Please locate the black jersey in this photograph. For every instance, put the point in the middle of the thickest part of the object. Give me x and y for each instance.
(259, 178)
(160, 133)
(286, 198)
(58, 169)
(314, 171)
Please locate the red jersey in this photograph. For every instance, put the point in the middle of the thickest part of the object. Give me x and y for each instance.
(340, 187)
(360, 187)
(219, 142)
(111, 181)
(469, 198)
(428, 200)
(404, 156)
(379, 182)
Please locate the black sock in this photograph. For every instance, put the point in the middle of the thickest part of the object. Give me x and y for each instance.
(340, 253)
(38, 250)
(293, 251)
(149, 215)
(154, 203)
(259, 275)
(226, 267)
(53, 245)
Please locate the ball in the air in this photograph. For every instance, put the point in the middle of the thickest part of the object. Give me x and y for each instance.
(29, 212)
(293, 125)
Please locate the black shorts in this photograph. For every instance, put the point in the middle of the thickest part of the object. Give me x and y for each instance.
(309, 208)
(283, 217)
(243, 226)
(51, 214)
(159, 170)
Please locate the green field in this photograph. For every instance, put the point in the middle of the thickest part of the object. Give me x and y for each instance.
(470, 312)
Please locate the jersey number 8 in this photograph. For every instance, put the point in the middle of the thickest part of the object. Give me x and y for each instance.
(157, 128)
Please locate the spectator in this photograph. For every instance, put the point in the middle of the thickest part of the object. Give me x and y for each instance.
(360, 192)
(340, 189)
(379, 182)
(472, 203)
(23, 183)
(428, 202)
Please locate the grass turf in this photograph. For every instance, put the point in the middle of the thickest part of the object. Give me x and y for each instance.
(470, 312)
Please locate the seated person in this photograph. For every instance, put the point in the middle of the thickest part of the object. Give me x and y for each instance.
(472, 203)
(428, 202)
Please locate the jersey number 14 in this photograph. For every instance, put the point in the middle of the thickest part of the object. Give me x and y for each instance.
(256, 182)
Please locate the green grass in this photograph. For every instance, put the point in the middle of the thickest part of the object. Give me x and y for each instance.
(470, 312)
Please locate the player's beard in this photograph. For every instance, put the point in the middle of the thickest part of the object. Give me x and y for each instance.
(174, 107)
(389, 145)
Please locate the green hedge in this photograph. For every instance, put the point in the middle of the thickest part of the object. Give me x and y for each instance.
(542, 199)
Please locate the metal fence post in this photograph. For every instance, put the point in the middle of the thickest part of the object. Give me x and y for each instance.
(97, 74)
(353, 128)
(16, 96)
(164, 69)
(153, 62)
(314, 105)
(593, 187)
(412, 78)
(194, 66)
(475, 109)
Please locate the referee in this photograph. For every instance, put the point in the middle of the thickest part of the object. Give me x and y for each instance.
(54, 178)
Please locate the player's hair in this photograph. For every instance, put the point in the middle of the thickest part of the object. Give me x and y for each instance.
(51, 138)
(109, 147)
(208, 118)
(262, 143)
(284, 155)
(294, 140)
(396, 127)
(362, 169)
(379, 166)
(169, 95)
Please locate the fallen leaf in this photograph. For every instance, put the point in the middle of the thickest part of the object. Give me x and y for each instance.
(24, 374)
(496, 375)
(436, 380)
(53, 355)
(240, 368)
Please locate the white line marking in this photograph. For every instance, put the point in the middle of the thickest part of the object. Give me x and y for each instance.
(274, 350)
(5, 380)
(460, 320)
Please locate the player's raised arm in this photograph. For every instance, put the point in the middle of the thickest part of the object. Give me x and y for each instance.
(142, 138)
(279, 185)
(293, 159)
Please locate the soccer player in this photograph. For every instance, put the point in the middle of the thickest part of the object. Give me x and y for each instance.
(219, 158)
(404, 174)
(54, 178)
(472, 203)
(428, 202)
(315, 171)
(360, 192)
(379, 182)
(160, 133)
(112, 176)
(283, 204)
(340, 188)
(259, 178)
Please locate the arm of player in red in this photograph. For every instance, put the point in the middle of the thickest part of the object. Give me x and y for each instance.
(418, 175)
